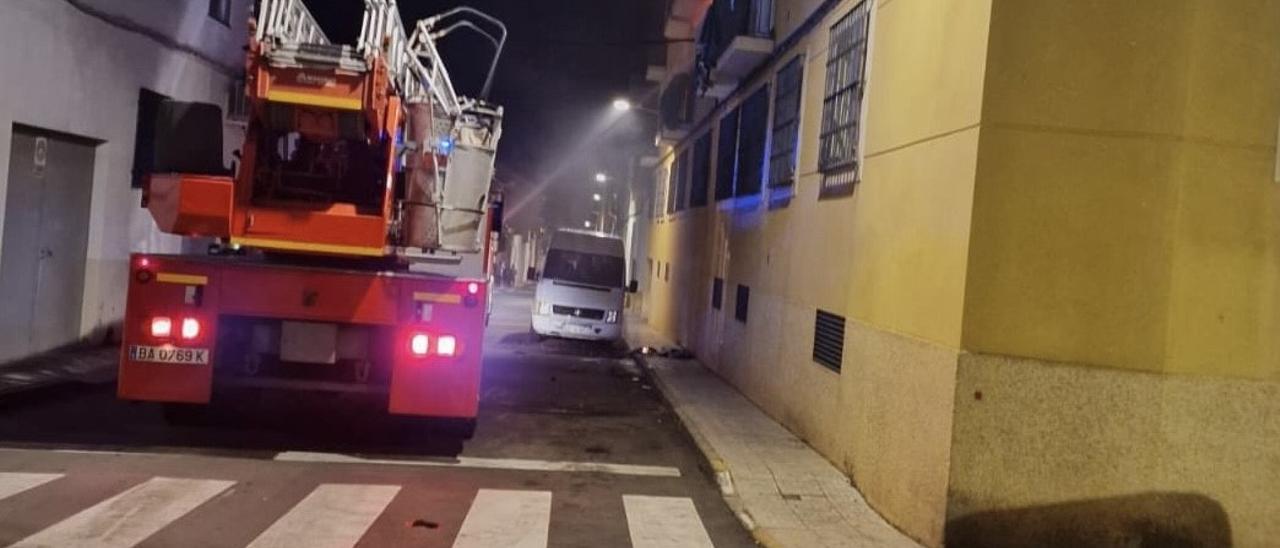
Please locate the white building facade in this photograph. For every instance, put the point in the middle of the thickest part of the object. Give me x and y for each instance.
(76, 72)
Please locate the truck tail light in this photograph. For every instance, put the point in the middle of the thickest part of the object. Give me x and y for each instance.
(447, 346)
(161, 327)
(190, 328)
(473, 288)
(420, 344)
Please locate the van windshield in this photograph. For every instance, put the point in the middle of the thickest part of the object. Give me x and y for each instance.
(584, 268)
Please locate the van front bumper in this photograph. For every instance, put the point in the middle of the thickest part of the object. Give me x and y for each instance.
(572, 328)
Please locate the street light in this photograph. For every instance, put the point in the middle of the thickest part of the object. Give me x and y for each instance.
(595, 197)
(621, 104)
(586, 224)
(601, 177)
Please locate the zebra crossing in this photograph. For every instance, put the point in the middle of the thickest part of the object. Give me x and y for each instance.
(334, 515)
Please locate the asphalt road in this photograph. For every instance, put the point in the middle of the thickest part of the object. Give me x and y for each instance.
(574, 447)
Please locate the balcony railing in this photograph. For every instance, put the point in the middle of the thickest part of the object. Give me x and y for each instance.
(727, 24)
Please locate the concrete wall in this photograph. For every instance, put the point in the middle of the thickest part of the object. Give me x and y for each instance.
(73, 73)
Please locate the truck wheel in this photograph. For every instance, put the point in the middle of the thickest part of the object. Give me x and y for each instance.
(186, 414)
(455, 428)
(435, 427)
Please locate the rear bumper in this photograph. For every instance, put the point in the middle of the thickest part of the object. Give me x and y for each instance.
(570, 328)
(212, 291)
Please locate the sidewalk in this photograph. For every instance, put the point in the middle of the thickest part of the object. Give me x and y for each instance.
(93, 365)
(783, 491)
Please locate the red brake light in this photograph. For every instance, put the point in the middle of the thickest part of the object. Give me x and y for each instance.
(447, 346)
(420, 344)
(190, 328)
(161, 327)
(473, 288)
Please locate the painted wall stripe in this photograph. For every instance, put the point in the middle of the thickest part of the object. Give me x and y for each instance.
(664, 522)
(496, 464)
(332, 516)
(515, 519)
(12, 483)
(130, 517)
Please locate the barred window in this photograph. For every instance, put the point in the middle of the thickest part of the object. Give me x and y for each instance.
(661, 180)
(701, 171)
(842, 100)
(786, 123)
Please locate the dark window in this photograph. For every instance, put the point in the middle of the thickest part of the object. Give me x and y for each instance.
(700, 171)
(673, 184)
(237, 101)
(742, 304)
(842, 99)
(682, 181)
(585, 268)
(828, 340)
(786, 123)
(144, 136)
(752, 134)
(727, 156)
(220, 11)
(717, 293)
(666, 273)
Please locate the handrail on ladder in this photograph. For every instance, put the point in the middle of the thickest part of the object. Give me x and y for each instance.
(288, 21)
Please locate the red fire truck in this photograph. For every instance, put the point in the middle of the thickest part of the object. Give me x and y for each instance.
(349, 251)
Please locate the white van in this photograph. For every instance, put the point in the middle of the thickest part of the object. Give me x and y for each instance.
(581, 290)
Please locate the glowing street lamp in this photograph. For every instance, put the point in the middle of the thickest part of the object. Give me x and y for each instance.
(601, 177)
(586, 224)
(595, 197)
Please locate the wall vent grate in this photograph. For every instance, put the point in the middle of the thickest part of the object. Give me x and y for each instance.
(828, 340)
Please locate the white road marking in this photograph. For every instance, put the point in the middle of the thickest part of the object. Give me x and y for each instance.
(515, 519)
(12, 483)
(459, 462)
(498, 464)
(332, 516)
(664, 522)
(130, 517)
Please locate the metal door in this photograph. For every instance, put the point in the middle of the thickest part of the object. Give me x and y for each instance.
(46, 230)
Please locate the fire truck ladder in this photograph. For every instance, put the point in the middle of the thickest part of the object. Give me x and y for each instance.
(463, 130)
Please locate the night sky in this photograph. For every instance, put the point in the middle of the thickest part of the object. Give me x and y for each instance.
(565, 61)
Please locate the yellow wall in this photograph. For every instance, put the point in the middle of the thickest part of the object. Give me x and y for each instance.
(1224, 315)
(1080, 184)
(891, 258)
(1121, 300)
(1125, 212)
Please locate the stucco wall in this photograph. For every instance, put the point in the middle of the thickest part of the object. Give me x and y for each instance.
(73, 73)
(891, 258)
(1113, 457)
(1122, 296)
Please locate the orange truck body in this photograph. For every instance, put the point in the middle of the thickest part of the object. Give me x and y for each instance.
(195, 322)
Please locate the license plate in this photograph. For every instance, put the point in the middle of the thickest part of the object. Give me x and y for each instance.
(578, 329)
(169, 354)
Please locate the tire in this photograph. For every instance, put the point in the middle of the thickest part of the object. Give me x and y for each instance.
(186, 414)
(464, 429)
(437, 427)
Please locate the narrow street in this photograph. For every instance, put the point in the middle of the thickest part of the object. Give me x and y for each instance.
(573, 445)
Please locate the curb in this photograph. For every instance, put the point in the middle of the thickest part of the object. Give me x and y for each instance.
(723, 475)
